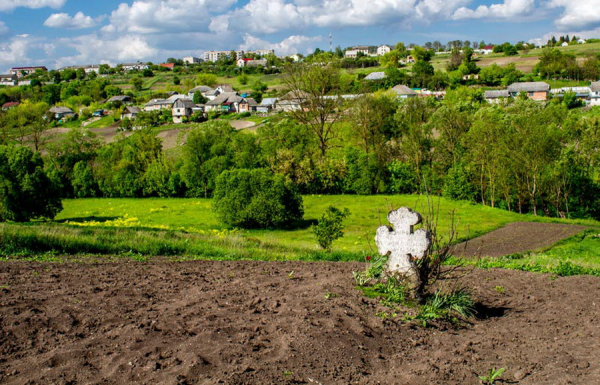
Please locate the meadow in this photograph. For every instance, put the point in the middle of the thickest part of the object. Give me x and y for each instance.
(190, 229)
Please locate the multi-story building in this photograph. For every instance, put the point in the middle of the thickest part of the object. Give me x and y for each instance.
(24, 71)
(353, 52)
(192, 60)
(214, 56)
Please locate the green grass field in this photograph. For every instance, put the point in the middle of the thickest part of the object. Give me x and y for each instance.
(189, 228)
(367, 213)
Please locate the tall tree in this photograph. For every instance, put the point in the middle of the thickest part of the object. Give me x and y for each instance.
(317, 90)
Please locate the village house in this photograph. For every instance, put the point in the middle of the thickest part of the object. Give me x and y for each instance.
(134, 66)
(182, 108)
(8, 105)
(293, 100)
(533, 90)
(383, 49)
(9, 80)
(581, 93)
(266, 105)
(24, 71)
(488, 49)
(160, 104)
(251, 63)
(404, 92)
(595, 94)
(170, 66)
(227, 102)
(494, 96)
(61, 112)
(130, 112)
(206, 91)
(295, 57)
(123, 99)
(87, 68)
(354, 51)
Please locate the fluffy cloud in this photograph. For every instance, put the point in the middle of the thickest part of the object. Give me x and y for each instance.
(9, 5)
(3, 28)
(290, 45)
(577, 14)
(271, 16)
(508, 10)
(63, 20)
(93, 49)
(153, 16)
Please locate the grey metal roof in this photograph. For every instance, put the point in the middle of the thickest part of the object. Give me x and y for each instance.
(157, 102)
(225, 97)
(184, 103)
(132, 110)
(251, 102)
(61, 110)
(268, 102)
(120, 98)
(492, 94)
(401, 89)
(203, 89)
(529, 87)
(375, 76)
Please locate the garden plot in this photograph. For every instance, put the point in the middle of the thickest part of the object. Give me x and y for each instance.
(250, 322)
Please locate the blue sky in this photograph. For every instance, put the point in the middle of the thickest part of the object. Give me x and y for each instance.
(56, 33)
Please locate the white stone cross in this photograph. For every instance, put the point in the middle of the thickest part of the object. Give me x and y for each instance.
(403, 245)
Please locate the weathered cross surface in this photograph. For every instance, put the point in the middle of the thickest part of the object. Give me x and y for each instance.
(403, 245)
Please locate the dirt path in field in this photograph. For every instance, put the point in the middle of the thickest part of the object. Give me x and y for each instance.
(241, 124)
(281, 323)
(517, 237)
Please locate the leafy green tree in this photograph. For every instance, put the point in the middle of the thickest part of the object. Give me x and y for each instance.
(204, 79)
(243, 79)
(330, 226)
(84, 184)
(213, 148)
(199, 98)
(256, 198)
(176, 80)
(121, 166)
(26, 192)
(137, 83)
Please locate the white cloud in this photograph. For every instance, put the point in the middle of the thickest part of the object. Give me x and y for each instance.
(63, 20)
(290, 45)
(510, 9)
(577, 14)
(9, 5)
(3, 28)
(93, 49)
(153, 16)
(271, 16)
(16, 51)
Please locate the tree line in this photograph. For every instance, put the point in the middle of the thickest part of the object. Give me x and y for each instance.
(518, 155)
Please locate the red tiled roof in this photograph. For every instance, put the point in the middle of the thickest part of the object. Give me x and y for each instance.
(10, 104)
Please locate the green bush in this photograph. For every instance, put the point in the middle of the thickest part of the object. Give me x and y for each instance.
(256, 199)
(26, 192)
(329, 228)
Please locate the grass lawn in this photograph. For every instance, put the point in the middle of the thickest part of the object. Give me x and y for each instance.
(367, 213)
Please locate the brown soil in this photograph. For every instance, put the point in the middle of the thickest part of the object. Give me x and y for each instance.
(259, 323)
(518, 237)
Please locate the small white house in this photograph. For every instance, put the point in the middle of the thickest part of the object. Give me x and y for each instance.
(595, 94)
(382, 50)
